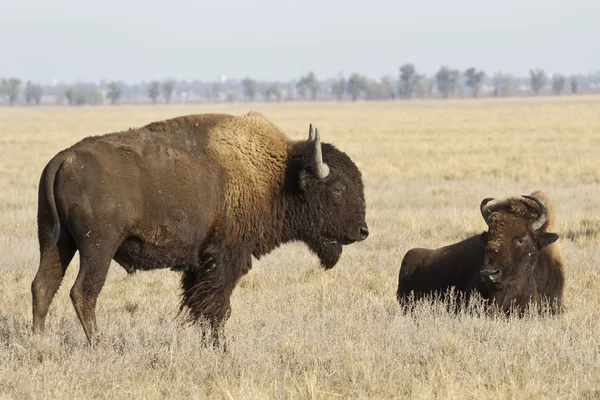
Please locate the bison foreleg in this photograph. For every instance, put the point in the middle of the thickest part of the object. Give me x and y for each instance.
(207, 289)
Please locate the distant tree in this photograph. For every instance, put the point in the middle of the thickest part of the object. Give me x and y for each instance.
(80, 95)
(558, 83)
(231, 96)
(272, 90)
(538, 80)
(33, 93)
(114, 92)
(154, 91)
(276, 91)
(503, 84)
(409, 80)
(28, 92)
(59, 97)
(212, 93)
(373, 90)
(574, 85)
(289, 91)
(38, 91)
(168, 87)
(70, 96)
(249, 87)
(207, 94)
(313, 85)
(386, 88)
(135, 91)
(423, 86)
(92, 96)
(2, 87)
(269, 90)
(338, 88)
(447, 80)
(301, 90)
(265, 88)
(12, 90)
(380, 90)
(454, 81)
(474, 80)
(215, 91)
(309, 83)
(357, 84)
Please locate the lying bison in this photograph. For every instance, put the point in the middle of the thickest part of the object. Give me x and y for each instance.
(200, 194)
(516, 261)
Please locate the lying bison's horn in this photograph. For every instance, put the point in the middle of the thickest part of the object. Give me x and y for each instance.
(320, 169)
(487, 206)
(311, 135)
(543, 216)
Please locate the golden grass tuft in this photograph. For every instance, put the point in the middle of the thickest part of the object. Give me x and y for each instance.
(298, 331)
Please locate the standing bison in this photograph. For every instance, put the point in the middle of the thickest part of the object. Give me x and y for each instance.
(516, 261)
(200, 194)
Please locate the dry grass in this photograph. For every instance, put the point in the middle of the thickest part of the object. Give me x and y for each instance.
(300, 332)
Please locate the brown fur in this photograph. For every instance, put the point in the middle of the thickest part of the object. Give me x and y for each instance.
(545, 280)
(427, 271)
(432, 272)
(200, 194)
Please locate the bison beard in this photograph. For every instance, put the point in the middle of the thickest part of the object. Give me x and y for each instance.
(329, 252)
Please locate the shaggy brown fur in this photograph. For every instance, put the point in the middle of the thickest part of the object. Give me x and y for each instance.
(201, 194)
(530, 262)
(525, 265)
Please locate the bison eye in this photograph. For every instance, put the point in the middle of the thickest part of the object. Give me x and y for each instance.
(520, 241)
(337, 189)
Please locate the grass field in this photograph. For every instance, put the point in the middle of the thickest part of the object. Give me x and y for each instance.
(300, 332)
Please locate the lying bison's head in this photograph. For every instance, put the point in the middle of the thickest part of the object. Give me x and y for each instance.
(329, 202)
(516, 234)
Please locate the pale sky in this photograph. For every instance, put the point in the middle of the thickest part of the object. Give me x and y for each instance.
(137, 40)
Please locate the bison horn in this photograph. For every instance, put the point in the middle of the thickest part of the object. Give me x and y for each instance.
(486, 207)
(311, 135)
(320, 169)
(542, 217)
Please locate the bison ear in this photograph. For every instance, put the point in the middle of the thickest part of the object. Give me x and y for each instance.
(545, 239)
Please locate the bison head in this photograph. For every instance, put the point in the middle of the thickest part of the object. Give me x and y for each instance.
(327, 192)
(513, 241)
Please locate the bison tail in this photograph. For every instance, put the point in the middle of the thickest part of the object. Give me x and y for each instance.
(50, 176)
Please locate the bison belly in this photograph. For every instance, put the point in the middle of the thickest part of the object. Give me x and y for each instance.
(137, 254)
(150, 212)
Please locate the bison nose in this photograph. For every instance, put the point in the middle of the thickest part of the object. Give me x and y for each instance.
(364, 232)
(491, 274)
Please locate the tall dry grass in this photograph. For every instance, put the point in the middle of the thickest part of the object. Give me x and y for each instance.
(301, 332)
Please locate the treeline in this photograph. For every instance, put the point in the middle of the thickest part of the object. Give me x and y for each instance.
(407, 84)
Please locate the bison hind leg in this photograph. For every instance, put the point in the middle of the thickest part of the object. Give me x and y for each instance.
(54, 260)
(94, 264)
